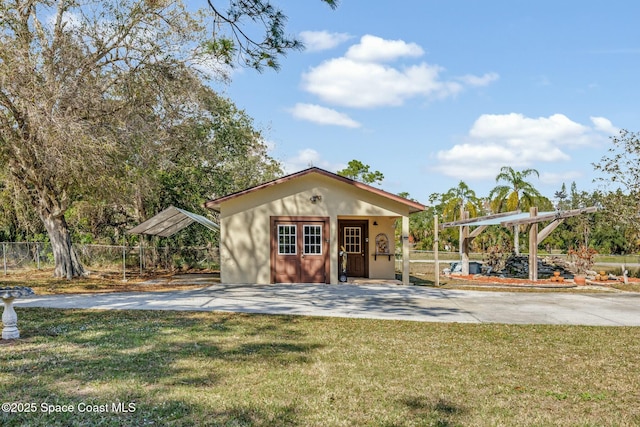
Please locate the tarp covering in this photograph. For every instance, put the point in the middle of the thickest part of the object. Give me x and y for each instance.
(170, 221)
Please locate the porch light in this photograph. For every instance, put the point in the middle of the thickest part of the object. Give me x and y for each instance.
(315, 198)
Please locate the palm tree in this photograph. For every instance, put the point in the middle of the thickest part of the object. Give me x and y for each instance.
(515, 193)
(459, 199)
(455, 202)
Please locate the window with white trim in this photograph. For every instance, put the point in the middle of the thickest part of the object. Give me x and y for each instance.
(353, 239)
(312, 239)
(287, 239)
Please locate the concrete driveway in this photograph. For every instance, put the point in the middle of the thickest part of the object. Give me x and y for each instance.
(375, 302)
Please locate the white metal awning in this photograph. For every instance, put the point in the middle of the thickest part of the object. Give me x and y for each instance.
(514, 217)
(170, 221)
(496, 219)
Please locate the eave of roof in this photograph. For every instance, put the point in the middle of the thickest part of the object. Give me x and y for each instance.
(413, 206)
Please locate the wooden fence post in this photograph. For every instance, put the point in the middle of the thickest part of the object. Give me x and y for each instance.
(124, 259)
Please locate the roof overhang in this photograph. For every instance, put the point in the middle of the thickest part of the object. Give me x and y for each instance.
(170, 221)
(413, 205)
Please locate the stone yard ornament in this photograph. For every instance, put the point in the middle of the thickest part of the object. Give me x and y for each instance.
(9, 316)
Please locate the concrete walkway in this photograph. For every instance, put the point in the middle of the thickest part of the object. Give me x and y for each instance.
(373, 301)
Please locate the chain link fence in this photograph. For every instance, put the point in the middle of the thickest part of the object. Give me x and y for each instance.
(128, 260)
(423, 262)
(149, 260)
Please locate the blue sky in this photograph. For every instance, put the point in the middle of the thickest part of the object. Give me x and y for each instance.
(434, 92)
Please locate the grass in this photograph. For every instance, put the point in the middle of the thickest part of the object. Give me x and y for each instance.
(235, 370)
(184, 369)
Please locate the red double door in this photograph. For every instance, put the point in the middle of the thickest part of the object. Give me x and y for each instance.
(300, 250)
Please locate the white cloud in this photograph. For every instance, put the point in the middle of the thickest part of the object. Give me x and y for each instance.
(307, 158)
(362, 79)
(349, 83)
(484, 80)
(520, 142)
(604, 125)
(376, 49)
(516, 129)
(557, 177)
(322, 115)
(315, 41)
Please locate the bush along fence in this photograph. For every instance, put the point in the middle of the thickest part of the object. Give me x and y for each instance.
(129, 260)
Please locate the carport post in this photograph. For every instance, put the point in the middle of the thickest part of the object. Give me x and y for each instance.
(405, 250)
(435, 250)
(464, 244)
(533, 246)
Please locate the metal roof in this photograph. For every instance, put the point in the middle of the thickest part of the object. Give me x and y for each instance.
(170, 221)
(515, 217)
(495, 219)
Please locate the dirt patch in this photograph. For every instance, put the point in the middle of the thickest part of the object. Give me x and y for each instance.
(510, 281)
(43, 282)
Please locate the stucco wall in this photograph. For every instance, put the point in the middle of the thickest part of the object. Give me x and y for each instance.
(245, 222)
(382, 267)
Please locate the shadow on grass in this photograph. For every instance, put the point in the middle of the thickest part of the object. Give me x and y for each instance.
(436, 412)
(66, 357)
(418, 280)
(241, 416)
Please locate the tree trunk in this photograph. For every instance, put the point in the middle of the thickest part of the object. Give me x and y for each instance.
(67, 263)
(50, 204)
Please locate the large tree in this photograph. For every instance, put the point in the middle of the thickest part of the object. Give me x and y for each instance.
(83, 83)
(358, 171)
(621, 174)
(194, 145)
(70, 79)
(513, 190)
(452, 205)
(459, 199)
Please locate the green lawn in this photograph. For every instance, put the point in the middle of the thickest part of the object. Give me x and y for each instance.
(184, 369)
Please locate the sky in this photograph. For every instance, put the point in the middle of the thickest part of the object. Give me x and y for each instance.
(431, 93)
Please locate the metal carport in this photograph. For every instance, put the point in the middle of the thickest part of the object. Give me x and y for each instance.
(170, 221)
